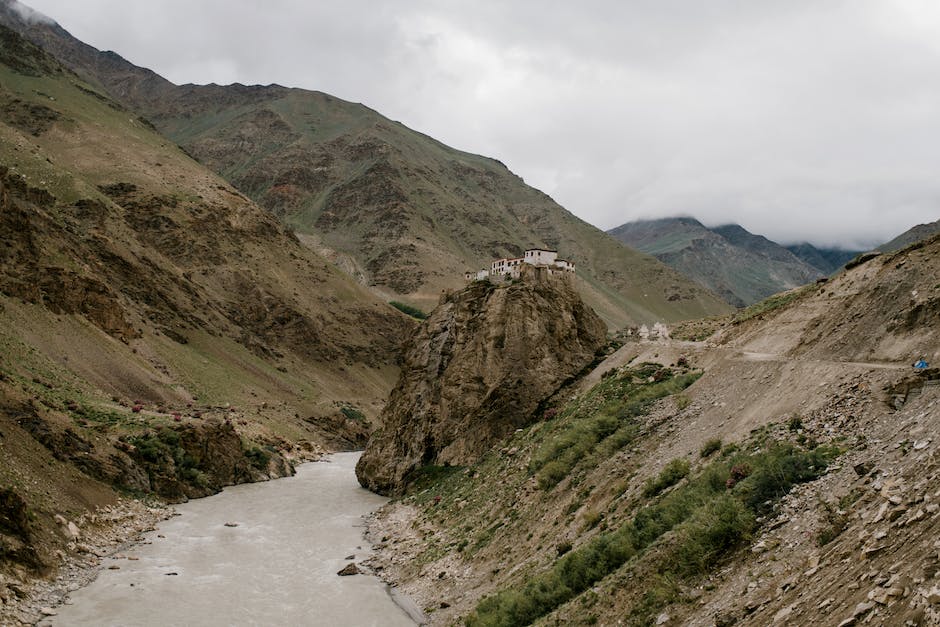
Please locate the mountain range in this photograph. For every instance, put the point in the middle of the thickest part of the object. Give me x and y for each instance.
(398, 210)
(739, 266)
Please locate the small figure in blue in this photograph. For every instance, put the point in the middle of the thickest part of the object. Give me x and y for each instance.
(920, 364)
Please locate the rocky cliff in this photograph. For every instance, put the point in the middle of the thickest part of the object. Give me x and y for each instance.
(479, 368)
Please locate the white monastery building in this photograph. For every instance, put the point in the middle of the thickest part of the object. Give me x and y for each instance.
(511, 268)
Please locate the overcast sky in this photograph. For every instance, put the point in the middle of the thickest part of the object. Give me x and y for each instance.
(798, 119)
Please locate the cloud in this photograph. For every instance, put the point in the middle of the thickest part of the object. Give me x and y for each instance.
(29, 15)
(798, 119)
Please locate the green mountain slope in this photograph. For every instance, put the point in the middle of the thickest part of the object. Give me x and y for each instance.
(402, 212)
(740, 267)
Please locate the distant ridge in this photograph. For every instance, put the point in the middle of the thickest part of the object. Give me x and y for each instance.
(827, 260)
(740, 266)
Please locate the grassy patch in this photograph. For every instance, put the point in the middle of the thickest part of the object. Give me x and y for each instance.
(604, 421)
(708, 517)
(772, 303)
(414, 312)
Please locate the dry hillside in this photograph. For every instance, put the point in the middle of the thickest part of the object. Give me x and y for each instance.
(396, 209)
(794, 482)
(159, 332)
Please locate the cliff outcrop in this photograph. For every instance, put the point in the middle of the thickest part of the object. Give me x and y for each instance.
(476, 370)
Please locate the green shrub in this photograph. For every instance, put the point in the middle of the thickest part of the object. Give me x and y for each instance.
(711, 446)
(682, 401)
(352, 413)
(674, 472)
(258, 457)
(777, 470)
(592, 519)
(716, 529)
(151, 447)
(414, 312)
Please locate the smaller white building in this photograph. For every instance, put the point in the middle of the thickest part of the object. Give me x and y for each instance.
(510, 267)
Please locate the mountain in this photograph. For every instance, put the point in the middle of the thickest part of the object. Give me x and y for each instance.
(739, 266)
(912, 235)
(827, 260)
(400, 211)
(159, 331)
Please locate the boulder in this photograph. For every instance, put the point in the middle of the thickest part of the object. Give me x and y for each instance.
(349, 569)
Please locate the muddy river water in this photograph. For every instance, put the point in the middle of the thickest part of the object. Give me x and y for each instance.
(276, 567)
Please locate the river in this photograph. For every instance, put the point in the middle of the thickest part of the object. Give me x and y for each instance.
(276, 567)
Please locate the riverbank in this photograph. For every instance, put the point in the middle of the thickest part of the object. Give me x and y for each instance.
(109, 531)
(253, 554)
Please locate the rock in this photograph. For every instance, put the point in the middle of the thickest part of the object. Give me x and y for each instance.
(871, 551)
(350, 557)
(349, 569)
(879, 596)
(863, 608)
(933, 595)
(783, 614)
(475, 371)
(895, 591)
(662, 619)
(47, 611)
(231, 524)
(72, 530)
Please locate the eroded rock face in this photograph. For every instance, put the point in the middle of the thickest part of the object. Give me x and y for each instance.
(477, 370)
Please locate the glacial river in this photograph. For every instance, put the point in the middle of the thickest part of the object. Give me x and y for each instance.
(276, 567)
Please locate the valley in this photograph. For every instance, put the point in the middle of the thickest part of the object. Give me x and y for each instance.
(207, 286)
